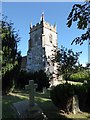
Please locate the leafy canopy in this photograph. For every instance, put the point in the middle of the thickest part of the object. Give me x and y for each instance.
(10, 39)
(81, 14)
(68, 61)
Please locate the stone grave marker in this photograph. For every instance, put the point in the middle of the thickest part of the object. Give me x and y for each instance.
(28, 108)
(44, 90)
(31, 87)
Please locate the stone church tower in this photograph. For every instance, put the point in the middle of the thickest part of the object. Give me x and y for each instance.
(41, 47)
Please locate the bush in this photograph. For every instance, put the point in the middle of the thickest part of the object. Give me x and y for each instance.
(81, 91)
(39, 77)
(61, 93)
(9, 79)
(80, 76)
(88, 94)
(23, 79)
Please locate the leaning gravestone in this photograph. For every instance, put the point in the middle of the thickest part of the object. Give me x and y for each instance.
(28, 109)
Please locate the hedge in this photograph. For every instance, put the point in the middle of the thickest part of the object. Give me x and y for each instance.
(80, 76)
(62, 92)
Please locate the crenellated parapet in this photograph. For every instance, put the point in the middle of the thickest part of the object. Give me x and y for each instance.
(35, 27)
(43, 24)
(50, 27)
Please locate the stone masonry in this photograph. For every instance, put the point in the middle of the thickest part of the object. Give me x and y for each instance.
(41, 46)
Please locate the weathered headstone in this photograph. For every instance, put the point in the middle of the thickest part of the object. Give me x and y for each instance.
(28, 108)
(44, 90)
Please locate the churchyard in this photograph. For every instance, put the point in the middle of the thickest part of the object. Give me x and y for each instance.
(19, 100)
(32, 87)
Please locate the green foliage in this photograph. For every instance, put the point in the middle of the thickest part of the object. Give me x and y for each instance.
(22, 79)
(88, 94)
(9, 79)
(61, 93)
(81, 91)
(10, 57)
(80, 13)
(80, 76)
(39, 77)
(10, 38)
(68, 61)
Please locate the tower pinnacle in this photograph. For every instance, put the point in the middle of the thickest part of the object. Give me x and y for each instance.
(42, 17)
(30, 25)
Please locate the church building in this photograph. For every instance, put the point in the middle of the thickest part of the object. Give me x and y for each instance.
(41, 47)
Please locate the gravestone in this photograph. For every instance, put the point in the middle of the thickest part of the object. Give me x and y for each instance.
(31, 87)
(44, 90)
(28, 108)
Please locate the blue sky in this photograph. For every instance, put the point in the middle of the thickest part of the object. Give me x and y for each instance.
(23, 13)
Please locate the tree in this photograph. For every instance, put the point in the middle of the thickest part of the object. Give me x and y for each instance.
(9, 42)
(81, 14)
(10, 54)
(68, 61)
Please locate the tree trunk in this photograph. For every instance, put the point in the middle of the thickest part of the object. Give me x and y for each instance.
(73, 105)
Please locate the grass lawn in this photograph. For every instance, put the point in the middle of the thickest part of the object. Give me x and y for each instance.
(43, 100)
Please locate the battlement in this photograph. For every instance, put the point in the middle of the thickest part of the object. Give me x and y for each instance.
(43, 24)
(50, 27)
(35, 27)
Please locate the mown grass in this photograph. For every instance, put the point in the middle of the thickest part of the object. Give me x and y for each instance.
(44, 102)
(82, 115)
(48, 107)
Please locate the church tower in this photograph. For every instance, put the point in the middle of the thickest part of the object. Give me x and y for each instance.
(41, 47)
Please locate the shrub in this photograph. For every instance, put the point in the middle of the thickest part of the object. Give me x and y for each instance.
(62, 92)
(88, 94)
(9, 79)
(81, 91)
(39, 77)
(60, 95)
(23, 79)
(80, 76)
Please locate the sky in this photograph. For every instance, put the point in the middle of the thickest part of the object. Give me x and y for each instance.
(24, 13)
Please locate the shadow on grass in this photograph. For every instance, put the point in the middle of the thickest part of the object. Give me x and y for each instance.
(45, 103)
(43, 100)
